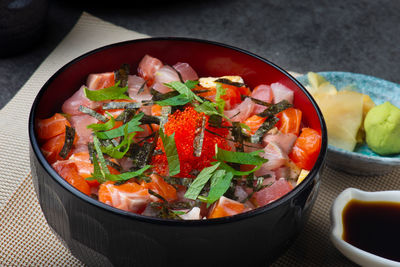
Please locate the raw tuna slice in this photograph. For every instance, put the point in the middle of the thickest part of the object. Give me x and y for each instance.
(264, 93)
(271, 193)
(134, 84)
(79, 122)
(100, 80)
(186, 71)
(276, 158)
(71, 105)
(284, 141)
(148, 67)
(281, 92)
(242, 111)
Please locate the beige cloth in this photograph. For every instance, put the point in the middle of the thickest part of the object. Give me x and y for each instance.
(25, 237)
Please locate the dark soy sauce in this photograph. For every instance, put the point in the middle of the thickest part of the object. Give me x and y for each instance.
(373, 227)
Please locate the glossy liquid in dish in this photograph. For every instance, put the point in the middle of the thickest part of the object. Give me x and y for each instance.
(373, 227)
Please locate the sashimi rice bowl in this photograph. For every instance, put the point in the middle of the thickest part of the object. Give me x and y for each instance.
(175, 141)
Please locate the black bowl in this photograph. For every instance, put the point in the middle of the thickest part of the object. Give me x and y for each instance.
(100, 235)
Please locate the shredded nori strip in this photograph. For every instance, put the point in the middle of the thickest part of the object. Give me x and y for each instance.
(215, 121)
(147, 119)
(229, 82)
(92, 113)
(178, 181)
(141, 89)
(122, 75)
(157, 96)
(69, 141)
(121, 105)
(238, 136)
(114, 165)
(142, 155)
(275, 109)
(259, 102)
(268, 124)
(199, 138)
(164, 211)
(91, 151)
(126, 115)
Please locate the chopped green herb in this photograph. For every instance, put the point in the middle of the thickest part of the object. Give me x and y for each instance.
(103, 126)
(238, 157)
(114, 151)
(68, 142)
(97, 147)
(183, 89)
(127, 175)
(191, 84)
(133, 126)
(109, 93)
(178, 212)
(171, 153)
(178, 100)
(218, 100)
(220, 182)
(201, 179)
(207, 108)
(235, 172)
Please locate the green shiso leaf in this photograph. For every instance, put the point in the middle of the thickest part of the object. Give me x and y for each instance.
(171, 153)
(220, 183)
(133, 126)
(104, 170)
(114, 151)
(198, 183)
(127, 175)
(191, 84)
(238, 157)
(207, 108)
(230, 169)
(109, 93)
(218, 100)
(183, 89)
(178, 212)
(103, 126)
(178, 100)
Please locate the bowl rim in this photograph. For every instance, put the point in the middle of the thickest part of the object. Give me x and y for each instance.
(354, 253)
(155, 220)
(384, 160)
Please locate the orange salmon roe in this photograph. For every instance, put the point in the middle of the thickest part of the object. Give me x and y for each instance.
(184, 124)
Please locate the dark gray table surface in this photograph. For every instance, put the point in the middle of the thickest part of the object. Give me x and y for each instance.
(360, 36)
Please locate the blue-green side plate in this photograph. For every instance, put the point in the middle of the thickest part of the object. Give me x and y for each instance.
(363, 161)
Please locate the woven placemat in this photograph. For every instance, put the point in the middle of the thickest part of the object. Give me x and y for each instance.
(25, 237)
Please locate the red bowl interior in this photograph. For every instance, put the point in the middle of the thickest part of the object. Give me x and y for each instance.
(206, 58)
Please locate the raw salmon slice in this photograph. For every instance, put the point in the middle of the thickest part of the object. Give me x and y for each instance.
(68, 170)
(225, 207)
(55, 125)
